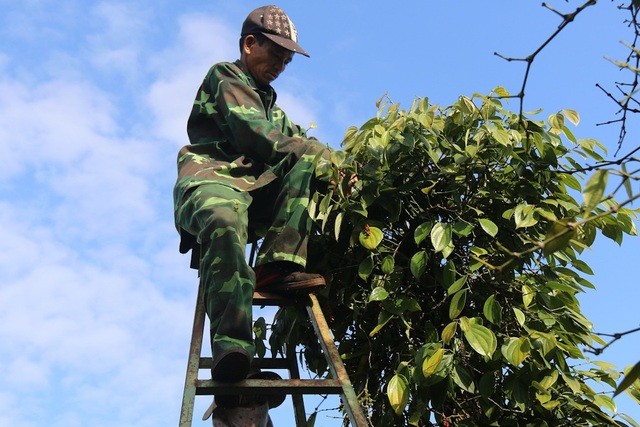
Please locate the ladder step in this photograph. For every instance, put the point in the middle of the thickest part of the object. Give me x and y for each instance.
(290, 386)
(260, 363)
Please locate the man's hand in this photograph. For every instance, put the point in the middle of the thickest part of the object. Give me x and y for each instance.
(347, 186)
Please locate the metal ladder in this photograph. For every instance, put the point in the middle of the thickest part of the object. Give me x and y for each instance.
(294, 386)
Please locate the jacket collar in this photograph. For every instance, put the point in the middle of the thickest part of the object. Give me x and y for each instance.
(268, 95)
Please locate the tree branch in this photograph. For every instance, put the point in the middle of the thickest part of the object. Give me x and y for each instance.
(566, 20)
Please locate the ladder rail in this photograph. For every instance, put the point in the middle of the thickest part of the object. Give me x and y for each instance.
(193, 362)
(334, 361)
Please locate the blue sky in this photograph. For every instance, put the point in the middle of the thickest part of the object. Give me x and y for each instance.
(95, 301)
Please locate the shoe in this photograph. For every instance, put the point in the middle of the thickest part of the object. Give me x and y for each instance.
(283, 277)
(273, 400)
(233, 401)
(231, 365)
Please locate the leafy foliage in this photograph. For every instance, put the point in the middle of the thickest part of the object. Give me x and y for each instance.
(454, 267)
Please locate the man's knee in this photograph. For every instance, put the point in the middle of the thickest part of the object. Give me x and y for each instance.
(216, 207)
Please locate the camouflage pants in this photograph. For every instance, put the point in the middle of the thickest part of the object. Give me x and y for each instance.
(221, 218)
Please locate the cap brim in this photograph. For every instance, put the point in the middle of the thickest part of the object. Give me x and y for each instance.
(286, 43)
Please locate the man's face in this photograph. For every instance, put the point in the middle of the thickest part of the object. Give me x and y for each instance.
(265, 61)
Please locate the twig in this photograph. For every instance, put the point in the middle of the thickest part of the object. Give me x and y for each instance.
(615, 337)
(566, 20)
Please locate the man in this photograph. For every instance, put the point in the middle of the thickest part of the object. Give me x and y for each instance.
(247, 168)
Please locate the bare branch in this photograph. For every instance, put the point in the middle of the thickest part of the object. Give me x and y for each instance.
(627, 90)
(566, 20)
(615, 337)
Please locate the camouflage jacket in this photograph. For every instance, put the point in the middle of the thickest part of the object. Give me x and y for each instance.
(238, 135)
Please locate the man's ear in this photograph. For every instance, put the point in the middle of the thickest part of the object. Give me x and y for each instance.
(249, 42)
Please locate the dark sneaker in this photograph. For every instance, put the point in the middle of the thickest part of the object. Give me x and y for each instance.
(231, 365)
(246, 401)
(283, 278)
(273, 400)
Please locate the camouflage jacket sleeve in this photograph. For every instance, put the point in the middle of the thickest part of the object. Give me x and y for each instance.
(250, 122)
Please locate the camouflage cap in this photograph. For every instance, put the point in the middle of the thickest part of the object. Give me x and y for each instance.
(275, 25)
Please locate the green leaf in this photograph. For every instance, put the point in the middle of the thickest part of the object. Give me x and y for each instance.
(523, 216)
(448, 332)
(398, 393)
(383, 318)
(594, 189)
(500, 91)
(556, 121)
(463, 378)
(516, 350)
(501, 136)
(462, 229)
(337, 225)
(520, 317)
(583, 267)
(572, 182)
(388, 264)
(422, 231)
(418, 264)
(260, 328)
(465, 323)
(573, 383)
(550, 405)
(440, 236)
(378, 294)
(481, 339)
(627, 180)
(457, 285)
(572, 116)
(487, 385)
(630, 377)
(370, 238)
(548, 381)
(365, 268)
(457, 304)
(605, 402)
(492, 310)
(488, 226)
(527, 295)
(570, 136)
(261, 349)
(428, 188)
(558, 236)
(430, 364)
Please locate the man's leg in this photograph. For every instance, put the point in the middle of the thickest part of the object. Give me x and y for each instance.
(283, 253)
(286, 239)
(217, 216)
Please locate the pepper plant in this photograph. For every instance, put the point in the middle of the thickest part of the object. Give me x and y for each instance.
(454, 267)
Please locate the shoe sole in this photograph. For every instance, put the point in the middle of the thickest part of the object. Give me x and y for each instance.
(273, 400)
(307, 286)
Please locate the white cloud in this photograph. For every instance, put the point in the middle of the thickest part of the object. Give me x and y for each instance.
(201, 42)
(50, 123)
(92, 333)
(62, 139)
(298, 108)
(95, 312)
(4, 61)
(122, 28)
